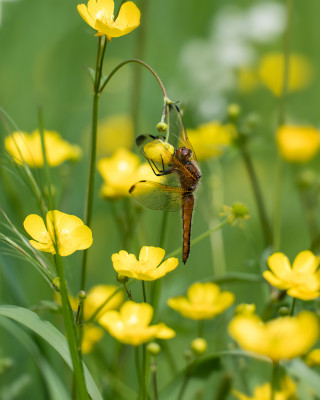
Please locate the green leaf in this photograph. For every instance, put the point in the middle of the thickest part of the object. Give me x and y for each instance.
(54, 385)
(301, 371)
(204, 367)
(51, 335)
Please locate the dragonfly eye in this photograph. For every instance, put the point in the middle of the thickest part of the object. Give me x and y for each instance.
(183, 154)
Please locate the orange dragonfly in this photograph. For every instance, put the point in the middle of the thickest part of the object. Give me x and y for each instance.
(178, 168)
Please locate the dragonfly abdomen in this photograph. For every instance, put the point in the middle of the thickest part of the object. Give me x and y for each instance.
(187, 209)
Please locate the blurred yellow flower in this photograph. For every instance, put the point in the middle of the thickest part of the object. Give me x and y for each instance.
(148, 268)
(302, 280)
(27, 148)
(203, 301)
(130, 325)
(279, 339)
(115, 132)
(313, 358)
(271, 71)
(97, 295)
(298, 143)
(121, 171)
(211, 139)
(70, 232)
(99, 15)
(91, 335)
(247, 79)
(287, 391)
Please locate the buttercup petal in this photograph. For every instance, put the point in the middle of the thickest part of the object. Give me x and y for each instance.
(36, 228)
(305, 262)
(164, 332)
(47, 247)
(99, 8)
(136, 313)
(301, 294)
(124, 263)
(151, 256)
(274, 281)
(280, 265)
(167, 266)
(83, 11)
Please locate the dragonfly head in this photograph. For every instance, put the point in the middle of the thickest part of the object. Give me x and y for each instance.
(183, 154)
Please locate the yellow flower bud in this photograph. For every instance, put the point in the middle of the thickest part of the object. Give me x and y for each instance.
(153, 348)
(199, 346)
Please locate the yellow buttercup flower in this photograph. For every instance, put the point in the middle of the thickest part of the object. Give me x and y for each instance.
(159, 151)
(287, 391)
(302, 280)
(313, 358)
(70, 232)
(99, 14)
(97, 295)
(148, 268)
(115, 132)
(131, 325)
(203, 301)
(271, 68)
(27, 148)
(211, 139)
(91, 335)
(279, 339)
(121, 171)
(298, 143)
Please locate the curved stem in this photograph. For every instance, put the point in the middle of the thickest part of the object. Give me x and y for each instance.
(134, 60)
(274, 379)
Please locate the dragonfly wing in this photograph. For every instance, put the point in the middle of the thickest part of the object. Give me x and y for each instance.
(157, 196)
(177, 133)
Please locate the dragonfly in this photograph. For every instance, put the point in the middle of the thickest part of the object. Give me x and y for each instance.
(177, 167)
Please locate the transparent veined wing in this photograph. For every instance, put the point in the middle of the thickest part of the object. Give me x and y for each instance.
(157, 196)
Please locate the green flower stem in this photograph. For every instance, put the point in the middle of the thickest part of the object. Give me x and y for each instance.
(144, 372)
(201, 237)
(134, 60)
(102, 44)
(200, 328)
(68, 317)
(274, 379)
(257, 194)
(184, 385)
(144, 291)
(281, 121)
(154, 377)
(71, 333)
(293, 304)
(156, 285)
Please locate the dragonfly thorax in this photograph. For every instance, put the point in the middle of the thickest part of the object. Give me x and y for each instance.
(183, 154)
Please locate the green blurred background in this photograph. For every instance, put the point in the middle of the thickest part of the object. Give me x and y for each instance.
(197, 49)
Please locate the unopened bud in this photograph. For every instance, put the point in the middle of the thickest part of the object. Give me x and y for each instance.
(82, 295)
(122, 278)
(162, 127)
(234, 111)
(153, 348)
(199, 346)
(284, 311)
